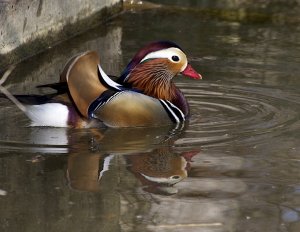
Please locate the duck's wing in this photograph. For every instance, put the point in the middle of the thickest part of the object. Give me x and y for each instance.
(81, 75)
(79, 78)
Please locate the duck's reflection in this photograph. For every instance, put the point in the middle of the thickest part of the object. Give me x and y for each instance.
(159, 170)
(148, 154)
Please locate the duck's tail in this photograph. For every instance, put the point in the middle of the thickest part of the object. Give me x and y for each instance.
(38, 114)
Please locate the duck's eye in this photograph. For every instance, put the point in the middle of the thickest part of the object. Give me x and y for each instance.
(175, 58)
(175, 177)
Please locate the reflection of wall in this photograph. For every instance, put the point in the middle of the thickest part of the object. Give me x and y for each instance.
(43, 23)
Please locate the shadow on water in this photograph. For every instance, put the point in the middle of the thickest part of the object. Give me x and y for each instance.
(234, 166)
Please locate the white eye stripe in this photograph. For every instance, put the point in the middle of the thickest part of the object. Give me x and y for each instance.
(165, 53)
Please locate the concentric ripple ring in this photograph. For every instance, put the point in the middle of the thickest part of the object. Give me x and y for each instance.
(226, 112)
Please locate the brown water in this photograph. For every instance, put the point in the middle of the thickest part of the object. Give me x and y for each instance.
(233, 167)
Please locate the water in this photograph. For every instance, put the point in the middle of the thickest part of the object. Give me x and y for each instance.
(233, 167)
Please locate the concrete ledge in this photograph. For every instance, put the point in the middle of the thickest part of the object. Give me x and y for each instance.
(31, 26)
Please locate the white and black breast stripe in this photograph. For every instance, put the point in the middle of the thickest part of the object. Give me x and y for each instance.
(173, 111)
(106, 81)
(106, 101)
(101, 101)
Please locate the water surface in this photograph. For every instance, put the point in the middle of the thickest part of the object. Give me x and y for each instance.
(234, 166)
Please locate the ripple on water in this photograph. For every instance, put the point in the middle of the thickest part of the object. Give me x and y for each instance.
(222, 112)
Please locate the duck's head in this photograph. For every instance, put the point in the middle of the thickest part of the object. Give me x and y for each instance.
(153, 67)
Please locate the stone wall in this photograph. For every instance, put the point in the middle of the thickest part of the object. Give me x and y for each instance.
(31, 26)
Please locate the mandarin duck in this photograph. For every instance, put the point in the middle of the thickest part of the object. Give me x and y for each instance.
(144, 94)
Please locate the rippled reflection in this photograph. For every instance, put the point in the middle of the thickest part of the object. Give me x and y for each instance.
(154, 163)
(146, 152)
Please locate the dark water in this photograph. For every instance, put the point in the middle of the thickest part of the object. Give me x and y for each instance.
(233, 167)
